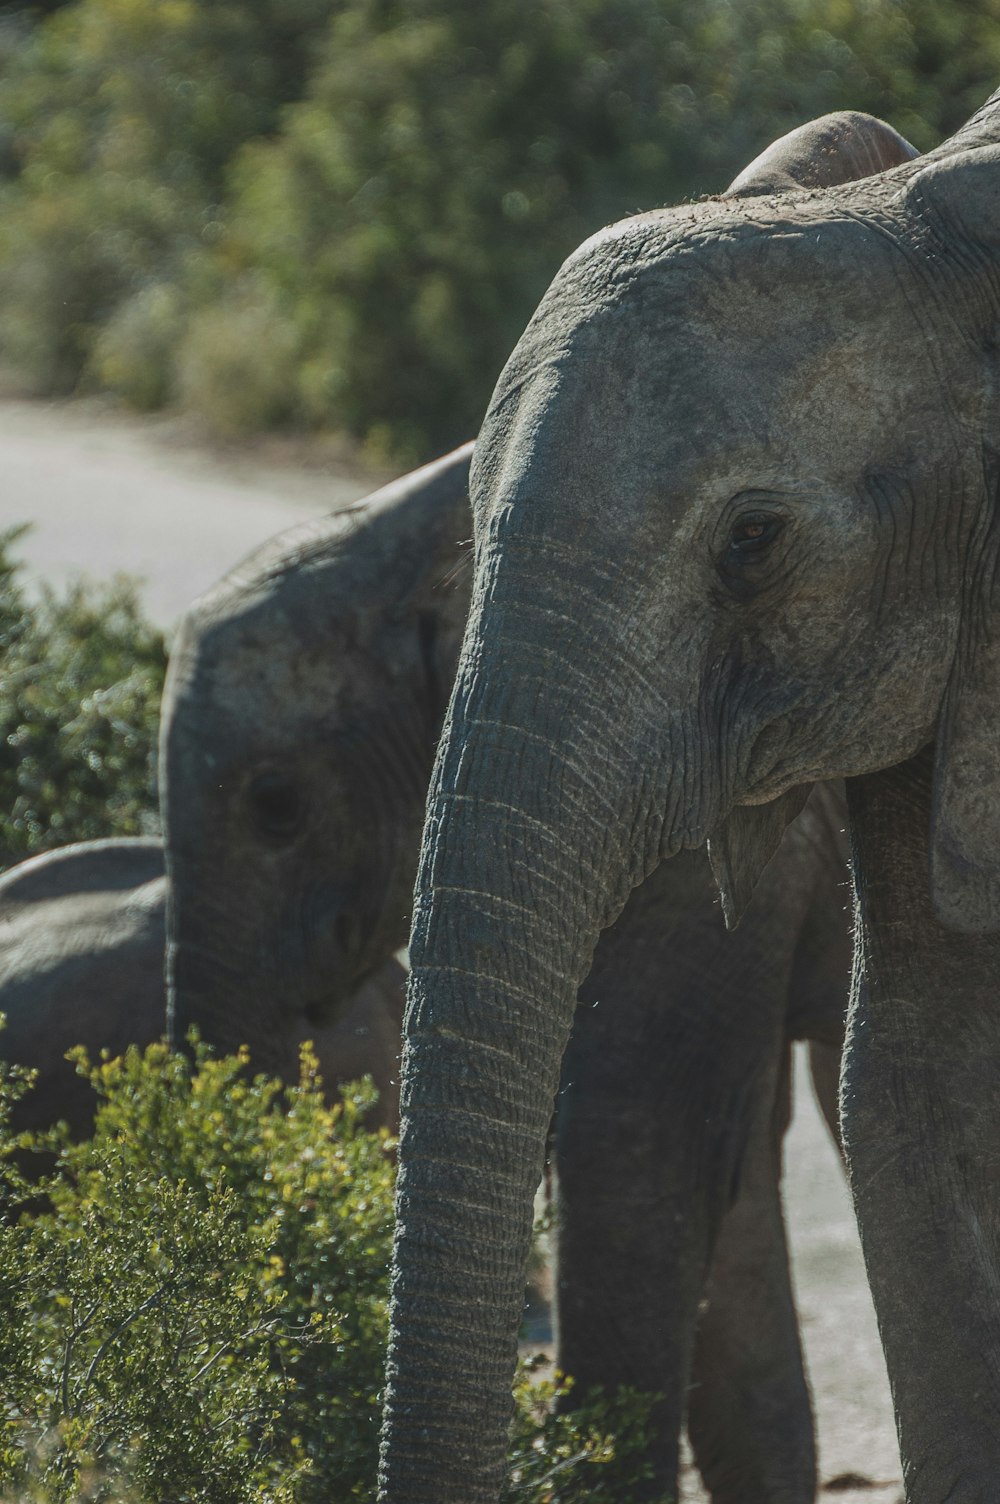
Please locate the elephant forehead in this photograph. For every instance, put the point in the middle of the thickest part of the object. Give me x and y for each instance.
(743, 356)
(282, 678)
(249, 673)
(781, 249)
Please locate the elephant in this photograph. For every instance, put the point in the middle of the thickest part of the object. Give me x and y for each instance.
(81, 962)
(734, 522)
(304, 699)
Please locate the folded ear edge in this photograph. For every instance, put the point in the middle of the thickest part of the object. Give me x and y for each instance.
(965, 820)
(965, 803)
(840, 148)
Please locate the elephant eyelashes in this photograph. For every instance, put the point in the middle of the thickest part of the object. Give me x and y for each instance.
(276, 805)
(753, 534)
(749, 541)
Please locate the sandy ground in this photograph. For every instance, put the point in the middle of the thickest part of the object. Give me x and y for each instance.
(106, 493)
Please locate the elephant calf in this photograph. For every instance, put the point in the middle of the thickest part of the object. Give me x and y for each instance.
(81, 962)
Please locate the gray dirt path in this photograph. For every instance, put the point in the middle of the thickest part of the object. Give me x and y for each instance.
(106, 493)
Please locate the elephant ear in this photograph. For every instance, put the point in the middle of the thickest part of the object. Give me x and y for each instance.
(440, 640)
(957, 198)
(965, 818)
(965, 813)
(740, 848)
(442, 606)
(839, 148)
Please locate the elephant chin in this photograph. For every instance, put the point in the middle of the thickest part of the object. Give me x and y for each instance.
(741, 846)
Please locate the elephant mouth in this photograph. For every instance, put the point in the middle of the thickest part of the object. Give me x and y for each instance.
(772, 788)
(323, 1008)
(206, 983)
(772, 771)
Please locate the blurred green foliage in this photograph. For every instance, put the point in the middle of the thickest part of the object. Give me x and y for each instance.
(342, 214)
(122, 116)
(203, 1301)
(80, 683)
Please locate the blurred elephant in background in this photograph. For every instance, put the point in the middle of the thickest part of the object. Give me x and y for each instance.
(81, 962)
(736, 520)
(304, 701)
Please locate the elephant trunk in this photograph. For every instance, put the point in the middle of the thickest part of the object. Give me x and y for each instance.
(201, 994)
(216, 979)
(529, 850)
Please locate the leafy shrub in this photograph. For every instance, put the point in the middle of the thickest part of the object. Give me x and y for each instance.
(70, 250)
(220, 372)
(203, 1303)
(80, 684)
(163, 1331)
(447, 158)
(592, 1454)
(123, 115)
(395, 180)
(133, 355)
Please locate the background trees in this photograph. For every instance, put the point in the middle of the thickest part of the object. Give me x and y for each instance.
(340, 213)
(80, 682)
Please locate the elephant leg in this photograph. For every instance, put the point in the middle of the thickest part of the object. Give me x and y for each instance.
(824, 1068)
(922, 1132)
(750, 1403)
(748, 1379)
(676, 1042)
(748, 1375)
(631, 1239)
(749, 1413)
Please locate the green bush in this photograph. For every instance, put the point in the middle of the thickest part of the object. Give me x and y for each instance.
(122, 116)
(134, 354)
(447, 158)
(205, 1297)
(220, 372)
(386, 186)
(71, 249)
(202, 1303)
(80, 683)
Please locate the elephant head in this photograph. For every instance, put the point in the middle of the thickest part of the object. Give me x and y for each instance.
(733, 509)
(303, 704)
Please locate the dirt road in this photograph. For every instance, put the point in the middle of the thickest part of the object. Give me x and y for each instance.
(107, 494)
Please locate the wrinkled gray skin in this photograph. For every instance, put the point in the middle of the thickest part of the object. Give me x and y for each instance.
(304, 702)
(81, 962)
(734, 506)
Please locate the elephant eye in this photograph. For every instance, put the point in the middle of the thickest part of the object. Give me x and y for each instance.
(752, 533)
(275, 805)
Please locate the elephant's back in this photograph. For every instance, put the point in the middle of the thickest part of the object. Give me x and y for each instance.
(110, 866)
(81, 962)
